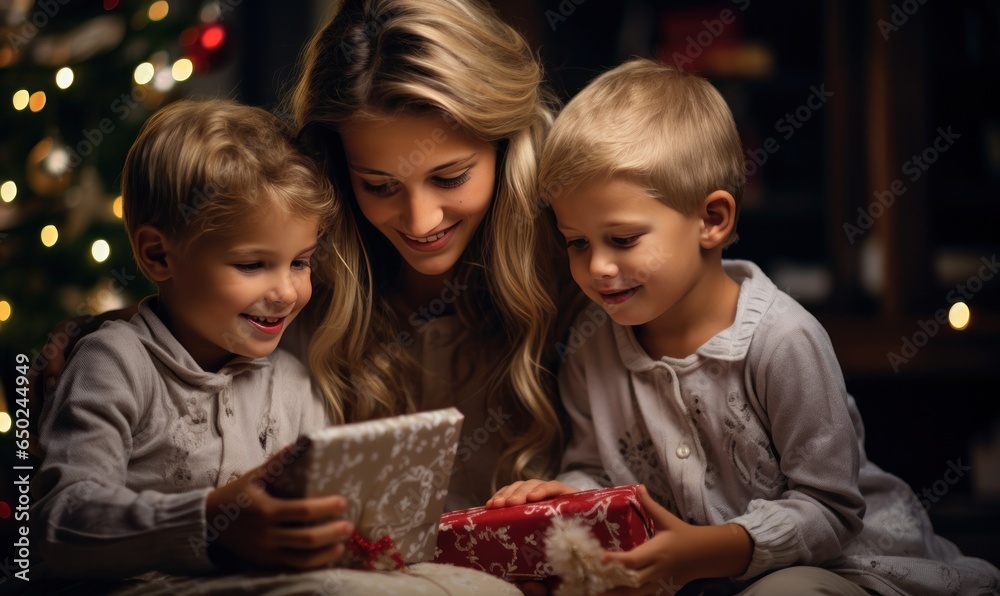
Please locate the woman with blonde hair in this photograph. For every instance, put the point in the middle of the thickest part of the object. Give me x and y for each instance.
(428, 115)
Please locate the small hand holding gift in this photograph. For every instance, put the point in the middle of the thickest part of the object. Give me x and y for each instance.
(578, 560)
(680, 552)
(562, 536)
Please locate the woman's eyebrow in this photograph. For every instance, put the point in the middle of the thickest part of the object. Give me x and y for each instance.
(455, 162)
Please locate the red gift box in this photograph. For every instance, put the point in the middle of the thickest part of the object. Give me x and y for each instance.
(510, 542)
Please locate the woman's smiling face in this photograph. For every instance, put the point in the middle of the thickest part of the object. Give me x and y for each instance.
(424, 183)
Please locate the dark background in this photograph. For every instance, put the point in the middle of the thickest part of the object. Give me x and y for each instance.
(899, 72)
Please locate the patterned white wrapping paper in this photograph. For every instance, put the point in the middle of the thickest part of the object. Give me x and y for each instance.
(394, 473)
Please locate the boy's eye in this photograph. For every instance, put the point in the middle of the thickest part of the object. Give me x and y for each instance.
(384, 189)
(454, 181)
(577, 243)
(248, 267)
(625, 241)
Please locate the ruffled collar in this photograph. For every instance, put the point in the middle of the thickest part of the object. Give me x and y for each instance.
(757, 292)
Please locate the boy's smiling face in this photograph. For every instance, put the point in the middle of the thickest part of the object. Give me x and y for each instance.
(629, 252)
(235, 291)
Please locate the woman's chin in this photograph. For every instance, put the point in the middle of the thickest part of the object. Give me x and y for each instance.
(432, 267)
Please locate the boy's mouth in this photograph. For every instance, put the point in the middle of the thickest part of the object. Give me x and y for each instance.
(619, 296)
(269, 325)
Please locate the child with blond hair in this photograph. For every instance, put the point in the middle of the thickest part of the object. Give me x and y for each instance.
(710, 386)
(160, 423)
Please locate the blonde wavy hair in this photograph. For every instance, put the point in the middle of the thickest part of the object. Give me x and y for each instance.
(458, 60)
(665, 129)
(201, 166)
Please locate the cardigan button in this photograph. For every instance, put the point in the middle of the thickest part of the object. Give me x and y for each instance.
(683, 451)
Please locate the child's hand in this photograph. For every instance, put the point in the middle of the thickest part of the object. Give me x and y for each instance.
(680, 552)
(528, 491)
(273, 532)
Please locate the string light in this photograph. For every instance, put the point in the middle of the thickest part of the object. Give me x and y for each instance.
(158, 10)
(210, 12)
(4, 427)
(50, 235)
(182, 69)
(144, 73)
(37, 101)
(163, 81)
(21, 99)
(8, 190)
(958, 316)
(100, 250)
(117, 207)
(5, 310)
(212, 37)
(64, 78)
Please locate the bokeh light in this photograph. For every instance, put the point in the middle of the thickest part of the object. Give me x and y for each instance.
(37, 101)
(64, 78)
(158, 10)
(100, 250)
(144, 73)
(50, 235)
(21, 99)
(959, 315)
(8, 190)
(182, 69)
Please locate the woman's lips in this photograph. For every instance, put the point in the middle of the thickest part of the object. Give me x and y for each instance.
(440, 242)
(268, 325)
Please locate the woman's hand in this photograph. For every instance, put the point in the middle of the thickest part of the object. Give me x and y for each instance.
(680, 552)
(528, 491)
(273, 532)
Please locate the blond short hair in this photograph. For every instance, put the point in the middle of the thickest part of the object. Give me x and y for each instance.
(662, 128)
(200, 166)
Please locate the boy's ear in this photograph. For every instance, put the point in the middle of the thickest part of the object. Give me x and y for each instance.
(152, 248)
(718, 216)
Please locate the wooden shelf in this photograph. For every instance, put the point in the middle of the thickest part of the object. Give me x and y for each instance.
(863, 345)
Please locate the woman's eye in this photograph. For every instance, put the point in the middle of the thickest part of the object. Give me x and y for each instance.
(248, 267)
(577, 243)
(626, 241)
(384, 189)
(454, 181)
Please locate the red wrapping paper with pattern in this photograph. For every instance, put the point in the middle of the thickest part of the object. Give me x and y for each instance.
(510, 542)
